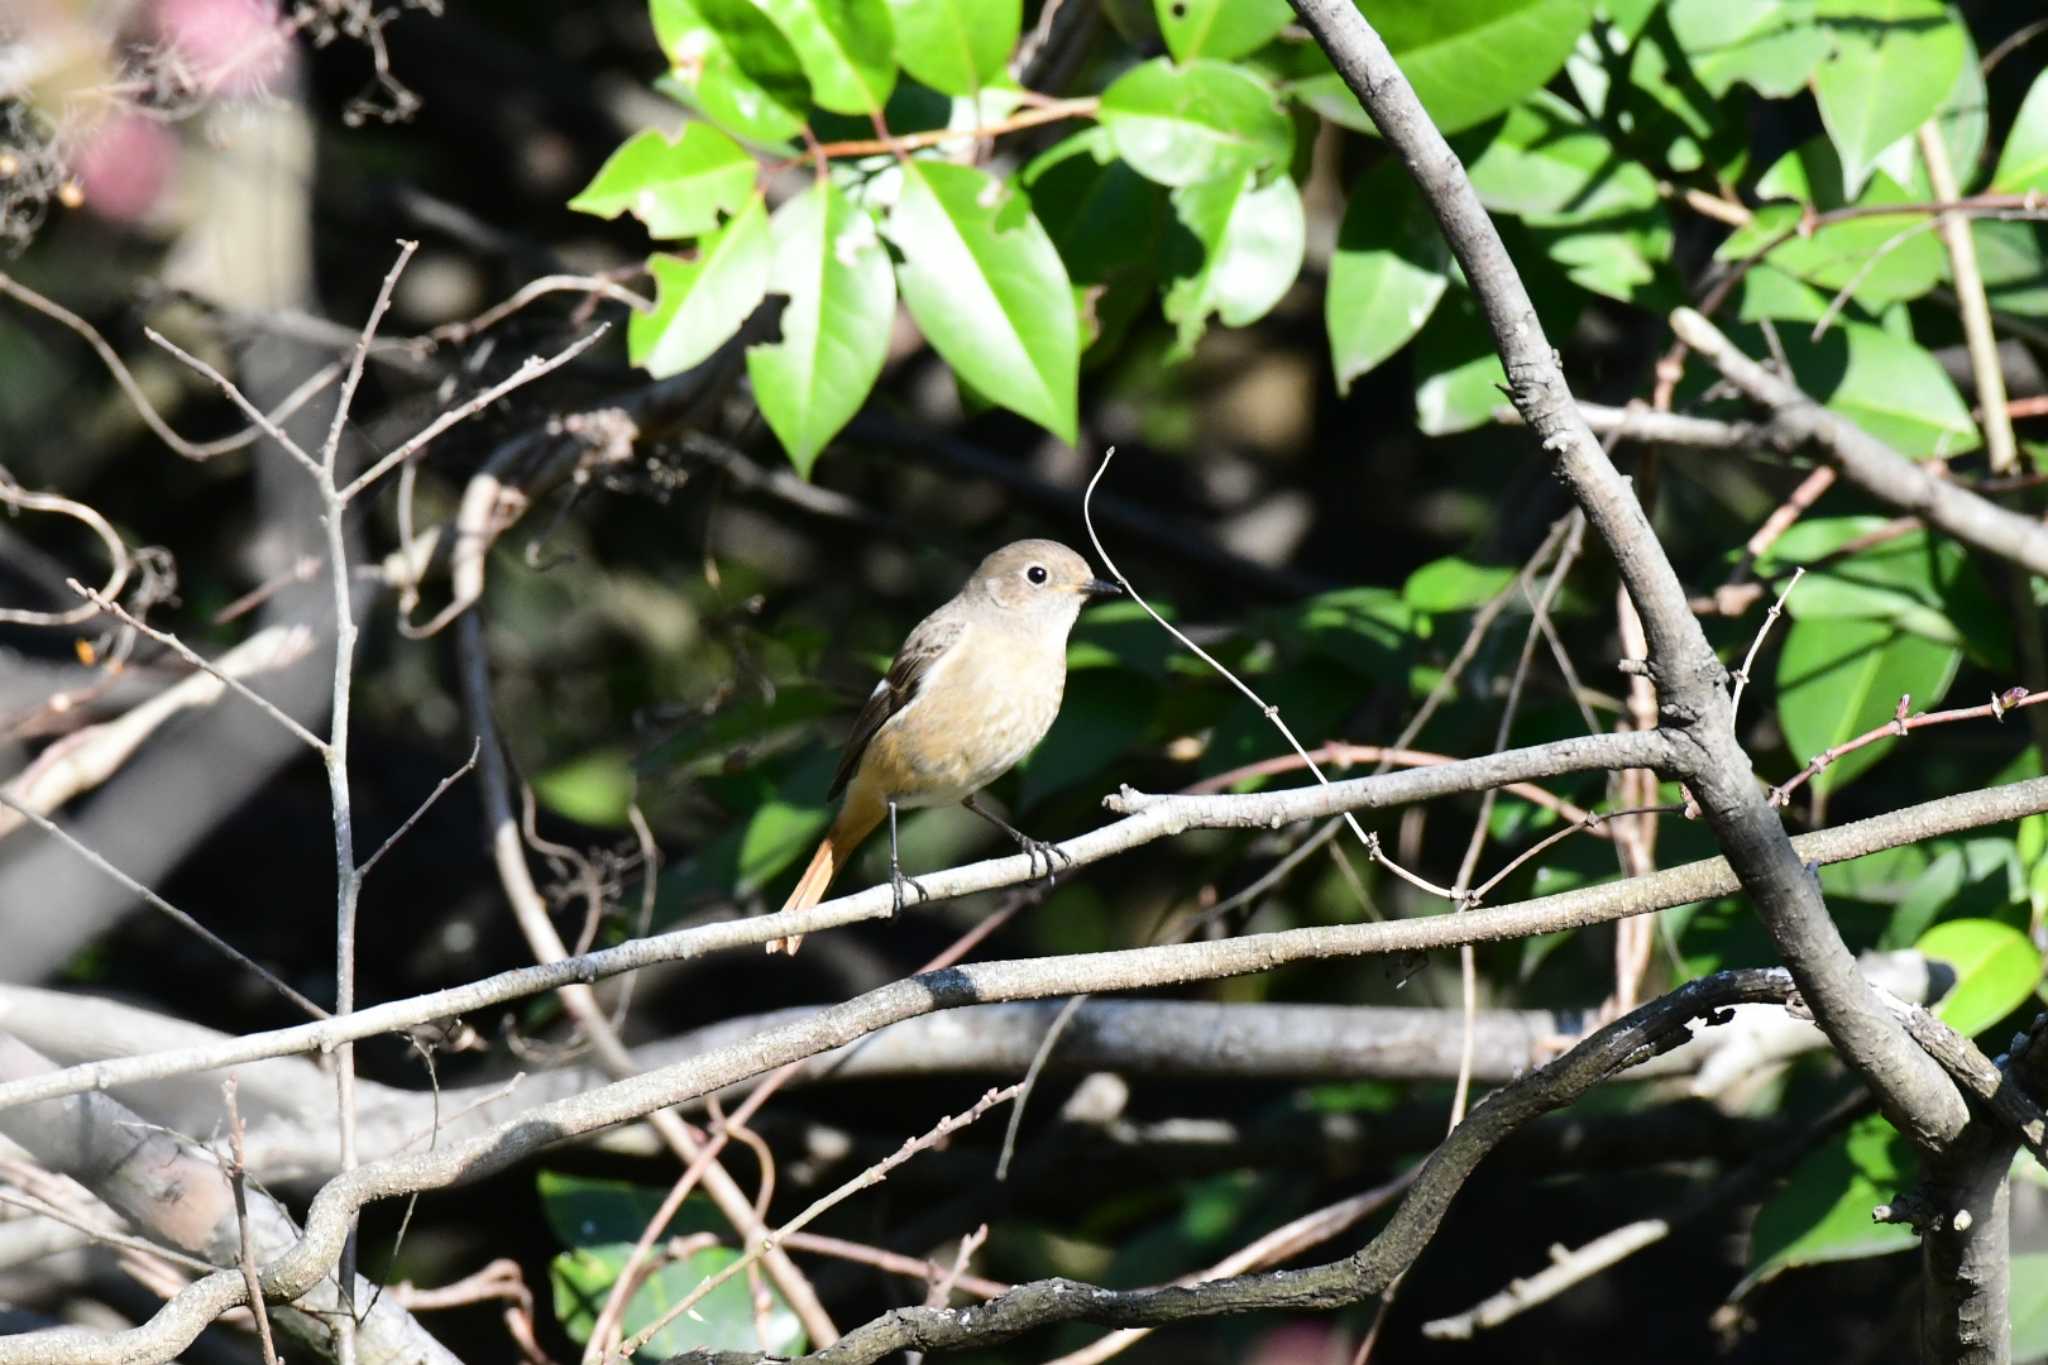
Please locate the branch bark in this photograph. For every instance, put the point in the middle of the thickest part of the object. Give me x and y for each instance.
(1867, 462)
(1130, 969)
(1691, 683)
(1653, 1028)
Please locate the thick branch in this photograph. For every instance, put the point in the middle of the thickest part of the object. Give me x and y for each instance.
(1867, 462)
(181, 1197)
(1652, 1028)
(1690, 681)
(1134, 968)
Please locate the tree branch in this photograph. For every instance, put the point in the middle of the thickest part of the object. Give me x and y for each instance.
(1129, 969)
(1867, 462)
(1691, 683)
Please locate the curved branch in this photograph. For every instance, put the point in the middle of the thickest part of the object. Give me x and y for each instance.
(1867, 462)
(1651, 1029)
(1133, 968)
(1691, 683)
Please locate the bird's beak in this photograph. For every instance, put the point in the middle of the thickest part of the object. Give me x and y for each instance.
(1101, 587)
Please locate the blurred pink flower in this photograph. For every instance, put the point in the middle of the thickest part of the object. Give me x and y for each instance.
(124, 166)
(235, 47)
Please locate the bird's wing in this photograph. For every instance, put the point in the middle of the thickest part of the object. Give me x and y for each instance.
(933, 636)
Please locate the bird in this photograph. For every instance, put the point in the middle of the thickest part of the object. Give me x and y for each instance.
(973, 690)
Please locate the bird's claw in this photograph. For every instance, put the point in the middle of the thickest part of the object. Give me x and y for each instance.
(897, 883)
(1053, 854)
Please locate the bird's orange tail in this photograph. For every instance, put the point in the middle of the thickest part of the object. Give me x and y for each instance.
(855, 821)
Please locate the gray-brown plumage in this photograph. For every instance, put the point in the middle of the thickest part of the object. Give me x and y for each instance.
(974, 688)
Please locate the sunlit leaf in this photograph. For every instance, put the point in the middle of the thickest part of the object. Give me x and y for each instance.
(1996, 968)
(1823, 1211)
(847, 49)
(957, 46)
(1181, 125)
(989, 290)
(1894, 61)
(1842, 677)
(1891, 388)
(2023, 165)
(1222, 29)
(704, 301)
(679, 188)
(1770, 45)
(1251, 241)
(830, 261)
(1386, 275)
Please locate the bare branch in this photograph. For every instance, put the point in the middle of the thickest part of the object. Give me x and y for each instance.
(118, 563)
(1867, 462)
(1041, 977)
(1690, 679)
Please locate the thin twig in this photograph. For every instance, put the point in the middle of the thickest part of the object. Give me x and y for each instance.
(1271, 713)
(238, 1181)
(118, 562)
(100, 603)
(440, 789)
(1980, 341)
(158, 903)
(1771, 616)
(191, 450)
(529, 370)
(873, 1175)
(2012, 699)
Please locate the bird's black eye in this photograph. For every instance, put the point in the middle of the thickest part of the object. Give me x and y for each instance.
(1036, 573)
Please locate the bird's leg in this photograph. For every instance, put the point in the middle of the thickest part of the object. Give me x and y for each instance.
(897, 881)
(1034, 849)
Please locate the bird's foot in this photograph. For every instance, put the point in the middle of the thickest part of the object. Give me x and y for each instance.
(898, 883)
(1053, 856)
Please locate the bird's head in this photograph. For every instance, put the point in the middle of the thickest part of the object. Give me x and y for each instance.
(1040, 580)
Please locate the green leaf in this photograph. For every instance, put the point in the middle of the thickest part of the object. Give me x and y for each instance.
(1885, 257)
(1963, 119)
(706, 77)
(1223, 29)
(1891, 388)
(1772, 46)
(1996, 971)
(987, 287)
(1917, 582)
(1388, 271)
(722, 1320)
(1460, 380)
(2014, 265)
(1839, 678)
(1455, 584)
(1470, 59)
(704, 301)
(1823, 1211)
(1180, 125)
(1251, 243)
(1103, 216)
(595, 789)
(2023, 165)
(956, 46)
(679, 188)
(1551, 167)
(1978, 879)
(777, 834)
(847, 49)
(835, 332)
(1894, 62)
(2029, 1298)
(582, 1210)
(758, 55)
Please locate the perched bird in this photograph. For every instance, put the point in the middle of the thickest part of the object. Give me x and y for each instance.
(972, 691)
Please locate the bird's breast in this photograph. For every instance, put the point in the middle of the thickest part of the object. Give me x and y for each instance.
(978, 712)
